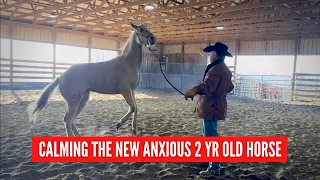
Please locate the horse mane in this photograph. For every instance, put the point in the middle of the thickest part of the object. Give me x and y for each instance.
(127, 42)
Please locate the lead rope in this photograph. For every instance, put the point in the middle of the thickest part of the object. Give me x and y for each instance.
(159, 61)
(162, 70)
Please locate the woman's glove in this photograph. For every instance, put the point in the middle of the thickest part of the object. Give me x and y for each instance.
(190, 93)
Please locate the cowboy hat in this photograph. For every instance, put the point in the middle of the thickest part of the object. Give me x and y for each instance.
(220, 48)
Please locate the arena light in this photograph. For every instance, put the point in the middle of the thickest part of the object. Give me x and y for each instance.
(220, 28)
(53, 15)
(149, 7)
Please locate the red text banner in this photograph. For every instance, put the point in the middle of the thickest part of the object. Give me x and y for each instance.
(160, 149)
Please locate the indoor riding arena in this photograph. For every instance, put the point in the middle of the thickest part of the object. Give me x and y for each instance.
(275, 68)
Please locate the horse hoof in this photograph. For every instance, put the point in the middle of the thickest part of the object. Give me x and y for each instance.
(134, 132)
(118, 126)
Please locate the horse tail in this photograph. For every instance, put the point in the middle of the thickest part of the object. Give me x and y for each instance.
(38, 105)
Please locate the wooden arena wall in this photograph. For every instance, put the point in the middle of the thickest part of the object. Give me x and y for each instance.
(182, 62)
(183, 53)
(176, 53)
(23, 31)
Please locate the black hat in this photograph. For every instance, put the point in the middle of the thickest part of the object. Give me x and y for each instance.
(220, 48)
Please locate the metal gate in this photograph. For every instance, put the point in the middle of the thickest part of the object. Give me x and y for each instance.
(271, 87)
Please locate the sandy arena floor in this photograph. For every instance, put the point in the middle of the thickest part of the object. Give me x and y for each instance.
(159, 114)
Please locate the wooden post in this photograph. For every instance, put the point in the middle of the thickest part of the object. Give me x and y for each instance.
(162, 58)
(235, 64)
(236, 56)
(296, 53)
(54, 40)
(265, 46)
(182, 52)
(89, 49)
(206, 57)
(118, 47)
(11, 55)
(161, 52)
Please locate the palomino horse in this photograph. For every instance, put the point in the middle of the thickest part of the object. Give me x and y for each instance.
(271, 91)
(120, 75)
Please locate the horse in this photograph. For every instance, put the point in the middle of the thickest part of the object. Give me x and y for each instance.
(271, 91)
(120, 75)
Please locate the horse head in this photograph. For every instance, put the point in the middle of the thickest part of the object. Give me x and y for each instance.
(143, 35)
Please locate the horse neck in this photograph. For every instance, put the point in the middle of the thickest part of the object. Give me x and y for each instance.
(132, 52)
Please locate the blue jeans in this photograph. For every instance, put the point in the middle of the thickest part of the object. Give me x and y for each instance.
(210, 128)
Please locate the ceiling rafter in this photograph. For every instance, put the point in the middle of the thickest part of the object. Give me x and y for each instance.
(228, 25)
(246, 29)
(8, 6)
(230, 16)
(253, 24)
(220, 10)
(243, 35)
(235, 22)
(113, 7)
(219, 19)
(178, 20)
(154, 19)
(160, 9)
(16, 8)
(54, 7)
(84, 17)
(4, 2)
(246, 36)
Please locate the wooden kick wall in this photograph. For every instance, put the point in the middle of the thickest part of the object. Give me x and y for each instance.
(189, 53)
(23, 31)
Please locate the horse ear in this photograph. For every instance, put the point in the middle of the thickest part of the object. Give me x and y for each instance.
(133, 25)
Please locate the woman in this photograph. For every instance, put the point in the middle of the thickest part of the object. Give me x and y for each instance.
(212, 104)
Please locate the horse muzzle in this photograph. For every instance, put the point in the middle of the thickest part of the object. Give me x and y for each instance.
(152, 40)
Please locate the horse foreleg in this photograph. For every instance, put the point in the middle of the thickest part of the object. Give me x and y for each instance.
(127, 94)
(134, 120)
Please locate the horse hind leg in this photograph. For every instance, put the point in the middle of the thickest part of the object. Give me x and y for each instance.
(72, 108)
(73, 104)
(81, 105)
(279, 96)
